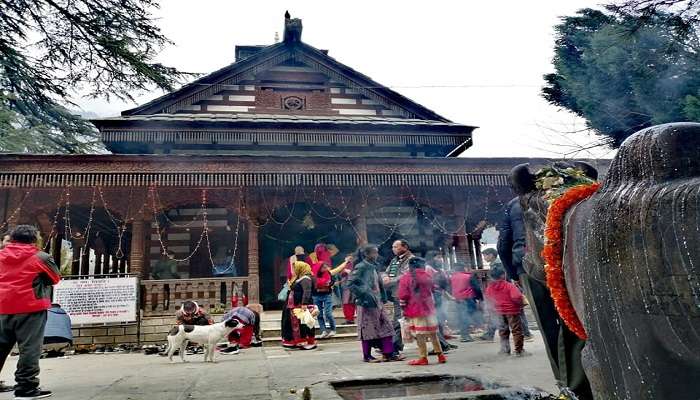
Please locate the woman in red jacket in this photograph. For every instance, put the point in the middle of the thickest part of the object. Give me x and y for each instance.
(416, 297)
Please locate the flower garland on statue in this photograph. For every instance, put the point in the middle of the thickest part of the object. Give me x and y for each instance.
(563, 189)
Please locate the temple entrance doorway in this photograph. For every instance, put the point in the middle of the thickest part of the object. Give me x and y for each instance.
(298, 224)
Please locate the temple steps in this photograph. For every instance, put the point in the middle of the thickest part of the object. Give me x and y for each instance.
(271, 321)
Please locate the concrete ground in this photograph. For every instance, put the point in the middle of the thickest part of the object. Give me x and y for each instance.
(267, 373)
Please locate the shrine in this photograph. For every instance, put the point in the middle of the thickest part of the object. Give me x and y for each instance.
(212, 186)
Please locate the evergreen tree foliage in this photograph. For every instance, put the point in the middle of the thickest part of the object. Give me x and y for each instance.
(51, 48)
(623, 73)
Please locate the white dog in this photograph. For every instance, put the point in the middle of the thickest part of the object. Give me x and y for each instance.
(206, 335)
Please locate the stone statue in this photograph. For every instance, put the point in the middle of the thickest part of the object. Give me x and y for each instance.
(631, 264)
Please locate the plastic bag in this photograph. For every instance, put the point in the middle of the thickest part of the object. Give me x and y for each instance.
(406, 333)
(284, 292)
(306, 316)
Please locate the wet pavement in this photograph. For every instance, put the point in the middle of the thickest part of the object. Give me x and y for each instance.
(270, 373)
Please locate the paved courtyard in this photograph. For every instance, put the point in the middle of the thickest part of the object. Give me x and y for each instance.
(266, 373)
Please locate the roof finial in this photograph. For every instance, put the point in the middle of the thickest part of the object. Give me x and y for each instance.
(292, 28)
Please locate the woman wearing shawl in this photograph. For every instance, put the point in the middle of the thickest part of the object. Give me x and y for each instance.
(374, 328)
(294, 333)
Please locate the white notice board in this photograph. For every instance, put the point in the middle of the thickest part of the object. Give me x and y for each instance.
(98, 300)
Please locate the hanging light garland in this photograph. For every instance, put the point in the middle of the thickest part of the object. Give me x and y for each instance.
(17, 210)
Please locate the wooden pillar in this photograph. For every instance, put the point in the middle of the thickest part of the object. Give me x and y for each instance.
(137, 258)
(253, 264)
(461, 241)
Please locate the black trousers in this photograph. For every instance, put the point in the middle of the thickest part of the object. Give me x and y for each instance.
(563, 347)
(27, 331)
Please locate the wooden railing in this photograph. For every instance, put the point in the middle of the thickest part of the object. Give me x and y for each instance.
(164, 297)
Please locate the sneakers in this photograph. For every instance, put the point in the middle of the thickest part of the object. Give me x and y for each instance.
(394, 358)
(323, 335)
(419, 361)
(32, 394)
(442, 358)
(229, 351)
(330, 334)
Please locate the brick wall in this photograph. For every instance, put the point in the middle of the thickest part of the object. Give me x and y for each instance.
(153, 331)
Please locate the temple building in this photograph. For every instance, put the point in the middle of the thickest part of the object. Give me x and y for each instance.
(215, 184)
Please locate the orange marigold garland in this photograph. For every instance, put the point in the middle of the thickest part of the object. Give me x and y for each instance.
(553, 254)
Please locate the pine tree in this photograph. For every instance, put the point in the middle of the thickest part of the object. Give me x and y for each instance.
(51, 48)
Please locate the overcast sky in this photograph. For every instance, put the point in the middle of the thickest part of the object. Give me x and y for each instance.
(475, 62)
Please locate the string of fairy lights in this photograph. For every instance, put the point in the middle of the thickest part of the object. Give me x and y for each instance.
(276, 206)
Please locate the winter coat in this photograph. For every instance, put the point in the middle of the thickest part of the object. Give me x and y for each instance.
(417, 299)
(465, 286)
(361, 284)
(26, 279)
(511, 239)
(504, 297)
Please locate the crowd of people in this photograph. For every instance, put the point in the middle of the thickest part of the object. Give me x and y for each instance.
(404, 299)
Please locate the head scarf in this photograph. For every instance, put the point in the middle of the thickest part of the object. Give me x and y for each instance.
(300, 269)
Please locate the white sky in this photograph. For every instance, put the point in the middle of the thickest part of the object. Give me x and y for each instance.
(496, 51)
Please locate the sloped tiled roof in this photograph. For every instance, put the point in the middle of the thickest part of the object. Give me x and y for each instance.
(286, 118)
(275, 52)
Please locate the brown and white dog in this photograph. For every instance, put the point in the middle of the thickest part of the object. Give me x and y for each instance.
(206, 335)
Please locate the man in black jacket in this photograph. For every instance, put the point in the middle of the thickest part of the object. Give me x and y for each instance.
(511, 250)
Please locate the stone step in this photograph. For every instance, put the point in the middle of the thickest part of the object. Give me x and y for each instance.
(340, 337)
(266, 325)
(342, 328)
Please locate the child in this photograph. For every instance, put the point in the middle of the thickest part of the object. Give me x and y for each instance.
(507, 302)
(465, 291)
(416, 298)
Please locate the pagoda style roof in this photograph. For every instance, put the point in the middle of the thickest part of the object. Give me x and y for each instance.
(278, 53)
(288, 98)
